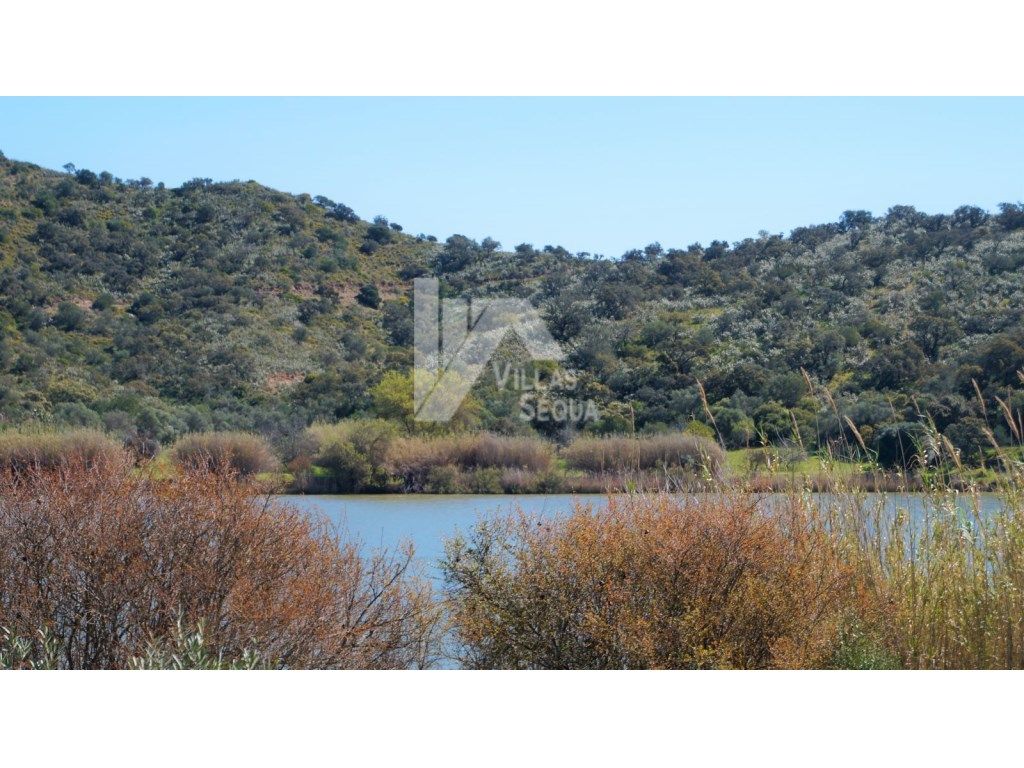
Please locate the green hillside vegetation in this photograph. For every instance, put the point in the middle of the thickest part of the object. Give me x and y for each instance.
(151, 313)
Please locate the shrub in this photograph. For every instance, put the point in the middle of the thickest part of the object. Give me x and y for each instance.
(370, 437)
(413, 458)
(897, 446)
(99, 562)
(241, 452)
(349, 469)
(354, 452)
(24, 449)
(191, 650)
(620, 453)
(369, 296)
(444, 479)
(183, 650)
(651, 582)
(700, 429)
(103, 302)
(485, 481)
(69, 317)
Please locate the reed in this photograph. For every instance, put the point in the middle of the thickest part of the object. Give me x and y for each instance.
(798, 570)
(648, 452)
(242, 452)
(417, 459)
(24, 449)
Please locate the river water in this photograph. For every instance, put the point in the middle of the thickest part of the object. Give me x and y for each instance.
(427, 520)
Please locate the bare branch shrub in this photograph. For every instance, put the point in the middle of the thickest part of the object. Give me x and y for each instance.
(652, 582)
(106, 560)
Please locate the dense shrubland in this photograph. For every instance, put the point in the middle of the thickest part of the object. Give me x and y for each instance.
(151, 313)
(648, 583)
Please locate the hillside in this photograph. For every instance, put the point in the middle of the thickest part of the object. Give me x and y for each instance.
(152, 312)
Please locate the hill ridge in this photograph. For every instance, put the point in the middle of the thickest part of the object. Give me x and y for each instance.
(156, 311)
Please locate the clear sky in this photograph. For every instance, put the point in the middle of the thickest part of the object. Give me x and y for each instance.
(596, 175)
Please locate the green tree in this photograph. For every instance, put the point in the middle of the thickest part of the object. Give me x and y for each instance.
(369, 296)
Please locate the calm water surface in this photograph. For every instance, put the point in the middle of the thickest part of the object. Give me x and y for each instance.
(427, 520)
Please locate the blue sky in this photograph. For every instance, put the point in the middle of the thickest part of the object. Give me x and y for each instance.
(596, 175)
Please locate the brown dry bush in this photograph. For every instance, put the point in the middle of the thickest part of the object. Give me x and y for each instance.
(621, 453)
(105, 560)
(22, 449)
(242, 452)
(653, 582)
(495, 451)
(413, 459)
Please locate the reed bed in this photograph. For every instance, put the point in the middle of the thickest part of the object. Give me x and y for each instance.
(25, 449)
(649, 452)
(242, 452)
(419, 461)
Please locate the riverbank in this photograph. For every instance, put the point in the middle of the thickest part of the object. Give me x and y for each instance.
(374, 456)
(823, 479)
(730, 579)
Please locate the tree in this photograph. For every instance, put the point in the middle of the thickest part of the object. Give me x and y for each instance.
(851, 220)
(379, 233)
(932, 332)
(458, 253)
(1000, 359)
(397, 321)
(392, 396)
(69, 317)
(895, 365)
(1011, 216)
(369, 296)
(898, 446)
(969, 217)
